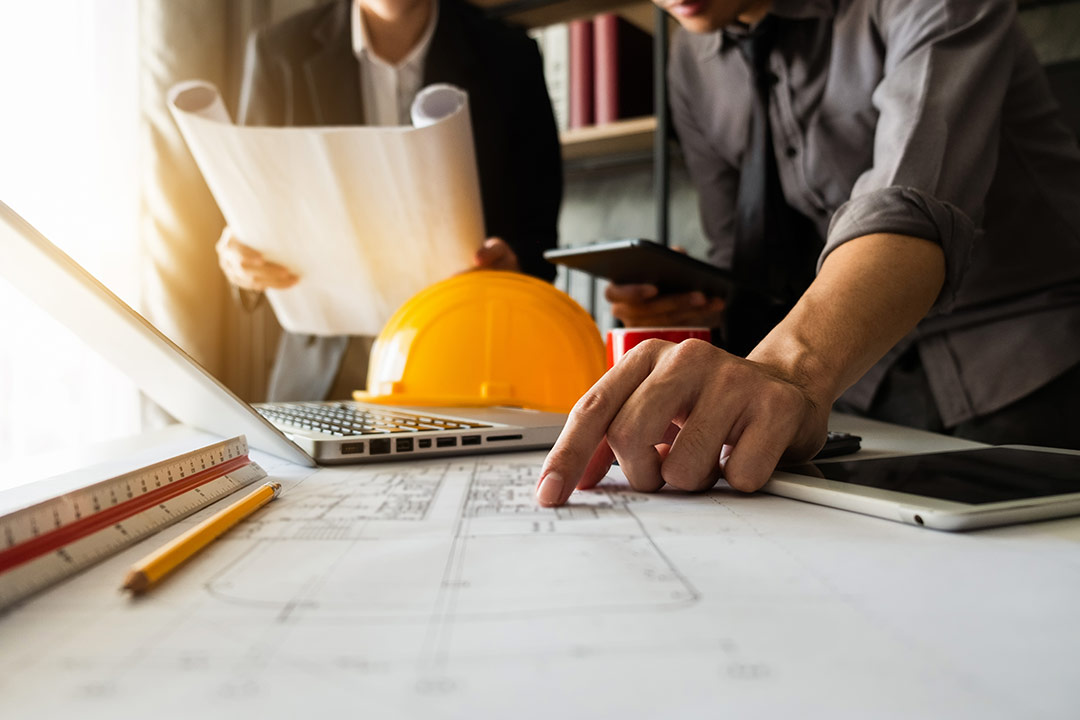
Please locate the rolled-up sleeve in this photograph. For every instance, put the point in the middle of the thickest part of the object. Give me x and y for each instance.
(946, 71)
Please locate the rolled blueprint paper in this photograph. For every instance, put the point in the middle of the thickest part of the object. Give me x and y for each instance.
(365, 216)
(437, 102)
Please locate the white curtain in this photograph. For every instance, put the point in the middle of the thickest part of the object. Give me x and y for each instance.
(183, 291)
(90, 156)
(68, 74)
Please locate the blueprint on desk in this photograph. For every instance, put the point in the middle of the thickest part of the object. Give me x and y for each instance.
(439, 589)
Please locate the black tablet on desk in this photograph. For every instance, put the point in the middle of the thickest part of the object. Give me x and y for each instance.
(635, 261)
(956, 490)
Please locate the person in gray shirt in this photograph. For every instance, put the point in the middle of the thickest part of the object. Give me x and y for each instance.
(893, 187)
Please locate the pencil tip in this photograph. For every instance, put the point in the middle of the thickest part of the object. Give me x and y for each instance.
(136, 581)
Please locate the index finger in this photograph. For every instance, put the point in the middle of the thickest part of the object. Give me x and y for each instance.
(246, 252)
(586, 426)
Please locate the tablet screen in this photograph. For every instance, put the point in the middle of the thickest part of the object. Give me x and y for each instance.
(986, 475)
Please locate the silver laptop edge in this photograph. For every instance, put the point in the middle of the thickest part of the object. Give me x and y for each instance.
(505, 429)
(176, 382)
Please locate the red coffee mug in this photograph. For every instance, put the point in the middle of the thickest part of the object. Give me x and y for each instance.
(620, 340)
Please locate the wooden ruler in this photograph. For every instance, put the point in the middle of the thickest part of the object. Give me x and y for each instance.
(45, 543)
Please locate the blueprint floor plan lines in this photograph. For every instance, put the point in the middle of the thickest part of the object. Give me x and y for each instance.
(510, 491)
(506, 564)
(347, 550)
(349, 502)
(439, 589)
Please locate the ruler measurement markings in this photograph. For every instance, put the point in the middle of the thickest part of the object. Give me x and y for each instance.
(22, 523)
(102, 534)
(44, 543)
(84, 494)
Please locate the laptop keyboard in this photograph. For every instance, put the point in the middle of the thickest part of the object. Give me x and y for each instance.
(345, 420)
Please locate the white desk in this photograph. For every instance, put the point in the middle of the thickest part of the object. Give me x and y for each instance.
(438, 589)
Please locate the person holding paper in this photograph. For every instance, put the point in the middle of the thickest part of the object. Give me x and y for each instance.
(363, 62)
(894, 189)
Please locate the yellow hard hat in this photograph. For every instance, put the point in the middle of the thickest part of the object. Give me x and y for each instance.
(486, 338)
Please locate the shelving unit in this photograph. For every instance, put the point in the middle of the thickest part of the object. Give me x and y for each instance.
(632, 136)
(537, 13)
(635, 135)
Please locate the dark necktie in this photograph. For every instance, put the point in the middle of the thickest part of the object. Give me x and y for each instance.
(774, 245)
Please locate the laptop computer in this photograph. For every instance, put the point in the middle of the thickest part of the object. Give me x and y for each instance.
(308, 433)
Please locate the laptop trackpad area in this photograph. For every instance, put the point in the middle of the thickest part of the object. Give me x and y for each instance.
(499, 415)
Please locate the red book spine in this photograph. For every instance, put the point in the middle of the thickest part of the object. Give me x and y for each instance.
(606, 63)
(581, 73)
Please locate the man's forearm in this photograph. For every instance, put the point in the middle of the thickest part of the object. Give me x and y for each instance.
(871, 291)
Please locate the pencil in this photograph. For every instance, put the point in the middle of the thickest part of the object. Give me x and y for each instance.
(152, 568)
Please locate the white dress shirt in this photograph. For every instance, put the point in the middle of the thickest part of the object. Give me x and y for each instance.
(388, 90)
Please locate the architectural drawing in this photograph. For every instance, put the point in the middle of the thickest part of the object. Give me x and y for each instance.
(480, 554)
(439, 589)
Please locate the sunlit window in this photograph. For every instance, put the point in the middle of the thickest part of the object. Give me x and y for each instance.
(68, 148)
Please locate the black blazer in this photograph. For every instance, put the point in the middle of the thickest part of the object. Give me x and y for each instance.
(302, 71)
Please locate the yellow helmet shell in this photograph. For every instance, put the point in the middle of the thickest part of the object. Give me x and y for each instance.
(486, 338)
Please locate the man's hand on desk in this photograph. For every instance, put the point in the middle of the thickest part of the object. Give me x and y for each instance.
(495, 254)
(683, 415)
(644, 306)
(246, 268)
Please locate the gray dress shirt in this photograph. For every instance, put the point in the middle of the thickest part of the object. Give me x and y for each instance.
(929, 118)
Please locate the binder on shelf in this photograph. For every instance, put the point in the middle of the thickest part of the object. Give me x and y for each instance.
(554, 42)
(623, 69)
(581, 73)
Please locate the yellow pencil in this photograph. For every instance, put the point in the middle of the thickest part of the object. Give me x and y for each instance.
(145, 573)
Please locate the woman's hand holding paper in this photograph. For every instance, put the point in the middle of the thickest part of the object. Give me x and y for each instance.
(247, 268)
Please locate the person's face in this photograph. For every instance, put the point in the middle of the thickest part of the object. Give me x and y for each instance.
(702, 16)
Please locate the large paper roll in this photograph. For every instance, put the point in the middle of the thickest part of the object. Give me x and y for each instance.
(366, 216)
